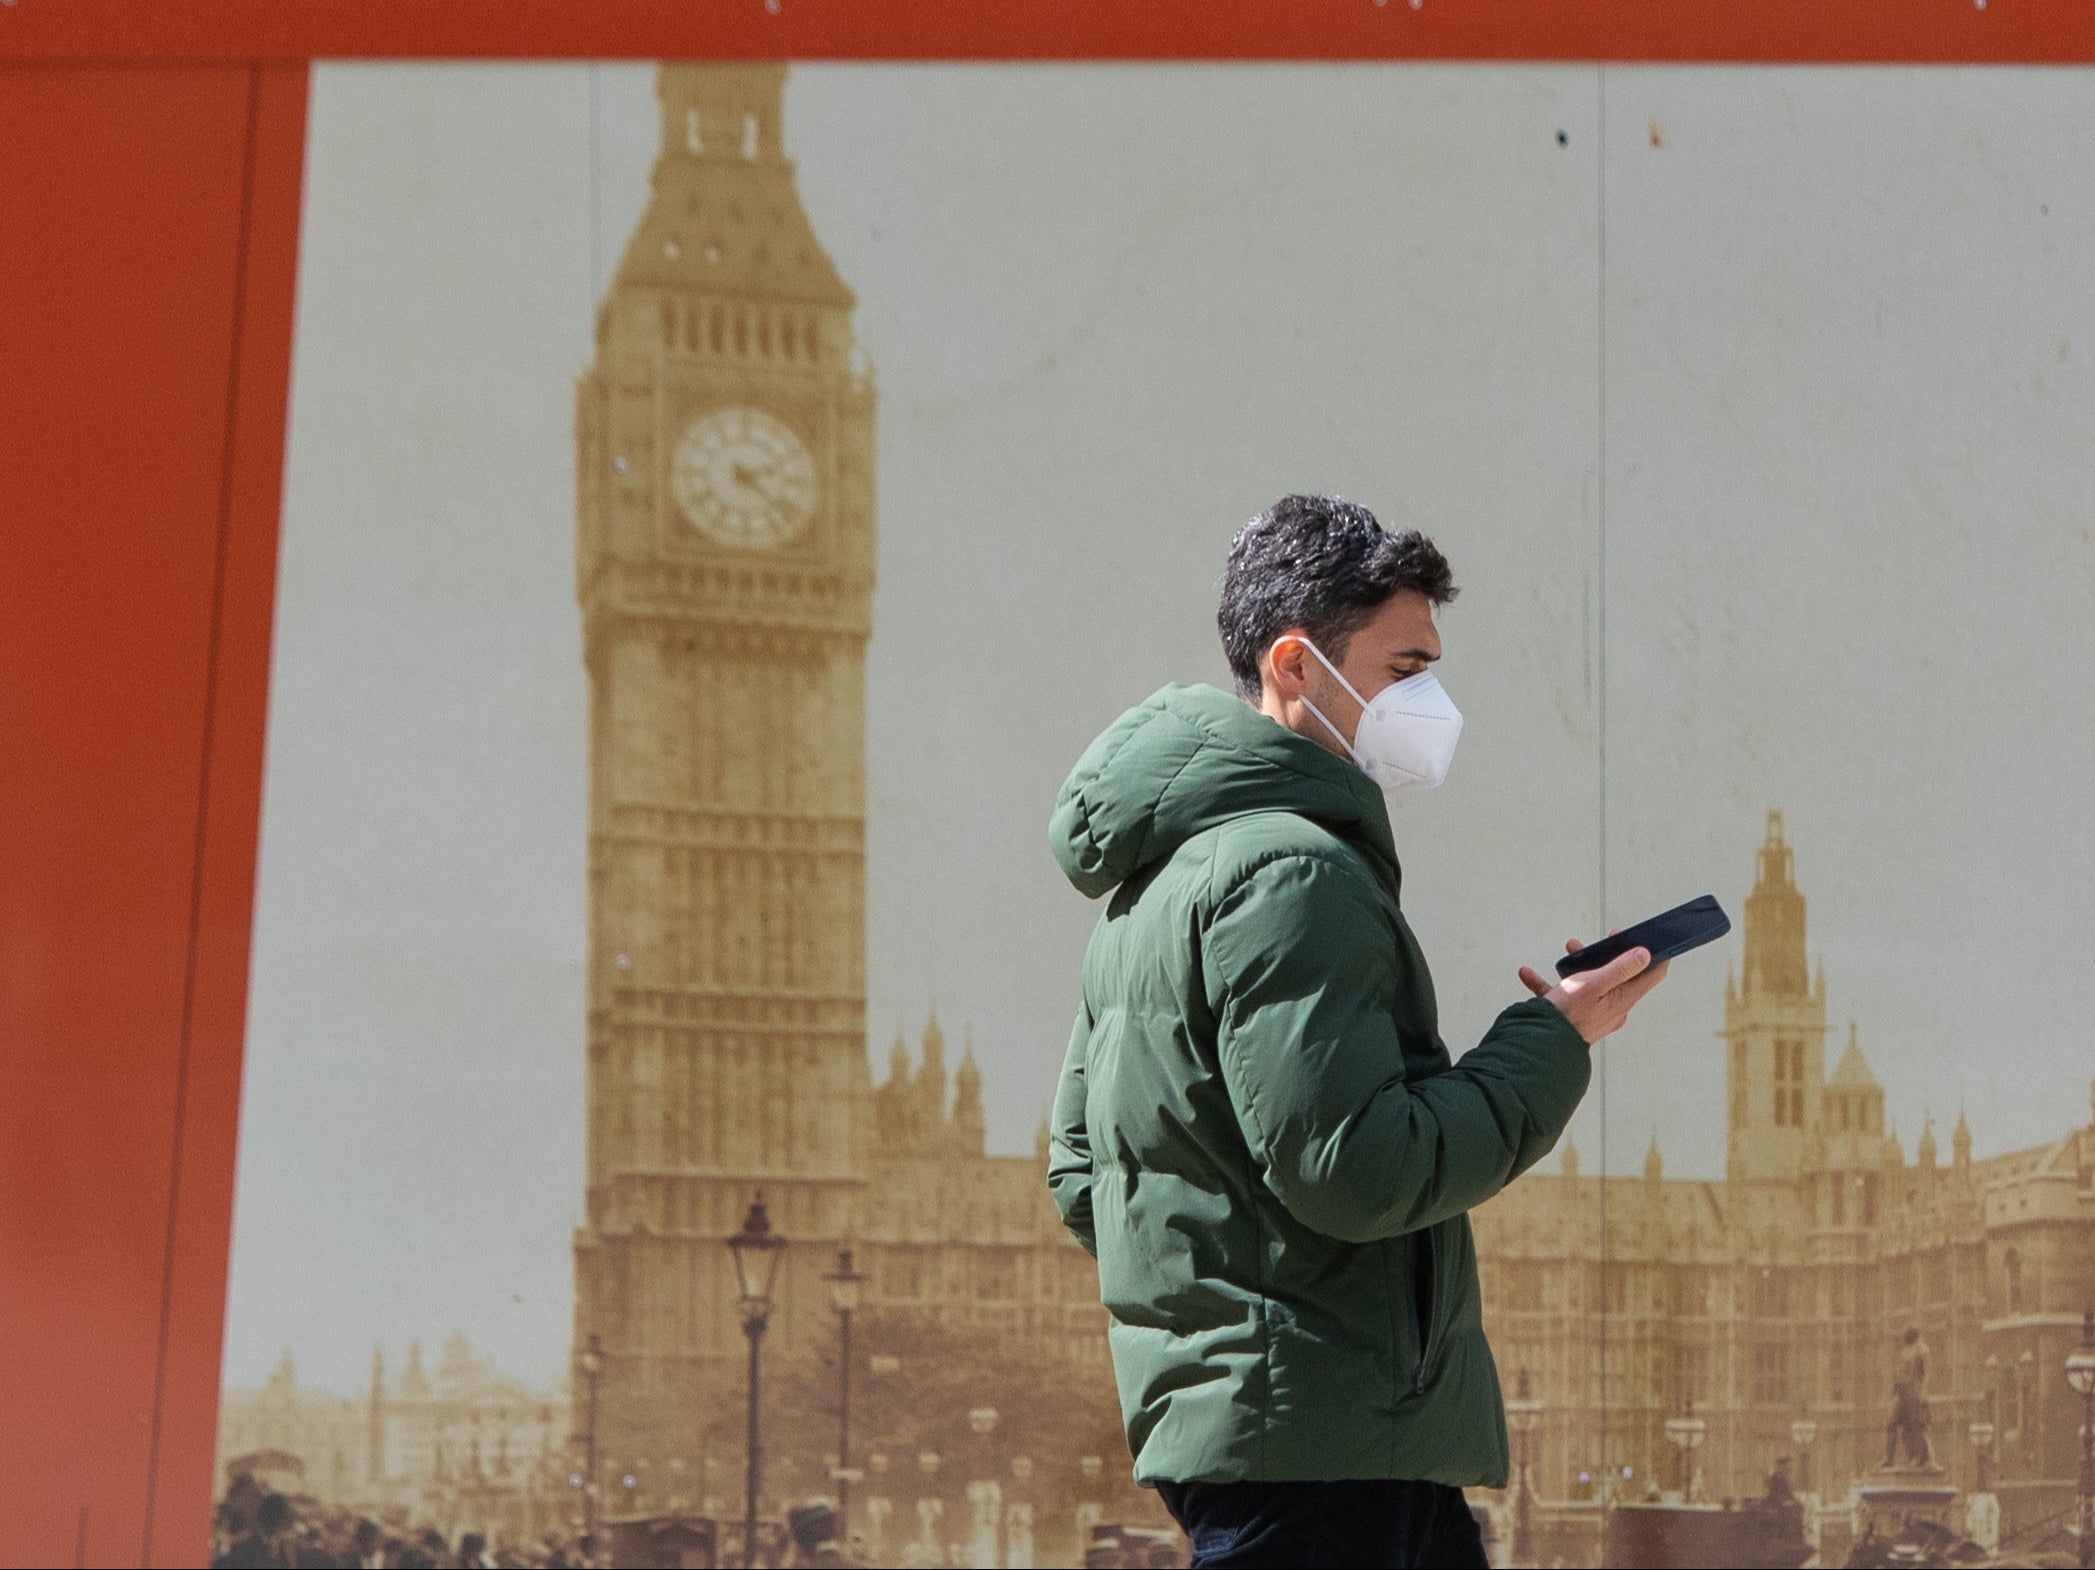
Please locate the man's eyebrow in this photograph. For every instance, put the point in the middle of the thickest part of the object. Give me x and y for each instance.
(1414, 654)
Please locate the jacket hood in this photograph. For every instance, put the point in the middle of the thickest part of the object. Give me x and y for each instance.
(1191, 758)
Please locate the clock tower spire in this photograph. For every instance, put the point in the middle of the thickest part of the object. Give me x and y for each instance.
(724, 567)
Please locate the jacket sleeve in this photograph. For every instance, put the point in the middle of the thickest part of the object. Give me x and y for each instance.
(1302, 972)
(1069, 1141)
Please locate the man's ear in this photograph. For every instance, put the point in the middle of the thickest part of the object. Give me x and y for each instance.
(1285, 665)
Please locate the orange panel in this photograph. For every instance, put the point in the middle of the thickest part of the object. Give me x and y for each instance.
(139, 531)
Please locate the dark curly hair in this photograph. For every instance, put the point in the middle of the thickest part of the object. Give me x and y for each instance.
(1323, 564)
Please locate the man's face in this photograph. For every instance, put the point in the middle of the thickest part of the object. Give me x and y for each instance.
(1398, 641)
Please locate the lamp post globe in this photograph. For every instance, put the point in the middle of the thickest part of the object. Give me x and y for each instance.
(1685, 1433)
(1980, 1434)
(1802, 1432)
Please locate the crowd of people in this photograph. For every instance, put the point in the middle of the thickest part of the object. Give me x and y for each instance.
(255, 1528)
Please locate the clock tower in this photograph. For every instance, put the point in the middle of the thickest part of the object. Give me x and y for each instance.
(724, 565)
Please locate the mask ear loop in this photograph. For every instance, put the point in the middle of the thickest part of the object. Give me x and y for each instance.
(1337, 734)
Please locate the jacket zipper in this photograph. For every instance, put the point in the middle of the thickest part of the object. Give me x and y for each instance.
(1430, 1340)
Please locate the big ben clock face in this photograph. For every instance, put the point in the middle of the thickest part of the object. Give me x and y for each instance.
(743, 477)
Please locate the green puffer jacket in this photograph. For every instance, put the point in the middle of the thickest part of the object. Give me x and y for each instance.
(1258, 1131)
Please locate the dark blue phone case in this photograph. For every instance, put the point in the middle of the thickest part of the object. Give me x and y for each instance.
(1670, 932)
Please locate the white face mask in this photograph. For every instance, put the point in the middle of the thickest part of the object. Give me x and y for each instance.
(1406, 737)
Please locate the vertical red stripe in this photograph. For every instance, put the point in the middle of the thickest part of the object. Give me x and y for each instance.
(138, 535)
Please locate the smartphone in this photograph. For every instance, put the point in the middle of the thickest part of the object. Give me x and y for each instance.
(1670, 932)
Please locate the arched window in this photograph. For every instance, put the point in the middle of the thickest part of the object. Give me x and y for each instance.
(749, 137)
(2011, 1265)
(787, 339)
(741, 331)
(713, 331)
(692, 141)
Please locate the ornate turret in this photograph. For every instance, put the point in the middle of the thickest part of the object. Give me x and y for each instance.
(1775, 958)
(375, 1422)
(968, 1132)
(931, 1075)
(414, 1383)
(1774, 1029)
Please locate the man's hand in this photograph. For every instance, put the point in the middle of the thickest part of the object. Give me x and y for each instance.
(1598, 1001)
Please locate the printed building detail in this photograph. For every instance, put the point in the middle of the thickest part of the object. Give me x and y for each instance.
(1775, 1302)
(462, 1446)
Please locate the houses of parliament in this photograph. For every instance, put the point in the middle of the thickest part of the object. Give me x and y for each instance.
(725, 499)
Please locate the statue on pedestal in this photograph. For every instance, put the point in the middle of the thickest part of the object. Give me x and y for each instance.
(1908, 1427)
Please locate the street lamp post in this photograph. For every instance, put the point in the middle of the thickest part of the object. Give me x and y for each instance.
(1685, 1433)
(985, 1497)
(1981, 1436)
(1802, 1432)
(2080, 1374)
(1523, 1412)
(844, 1286)
(1089, 1509)
(592, 1371)
(756, 1250)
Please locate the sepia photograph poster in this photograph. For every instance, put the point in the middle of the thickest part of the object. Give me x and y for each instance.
(722, 502)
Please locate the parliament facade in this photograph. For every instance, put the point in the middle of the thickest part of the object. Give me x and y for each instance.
(1779, 1294)
(724, 564)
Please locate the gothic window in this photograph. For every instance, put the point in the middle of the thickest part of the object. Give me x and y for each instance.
(1839, 1185)
(1935, 1276)
(1770, 1298)
(764, 334)
(786, 339)
(1837, 1372)
(1690, 1374)
(692, 142)
(749, 136)
(713, 334)
(900, 1274)
(1789, 1084)
(1524, 1286)
(1869, 1199)
(1771, 1374)
(2013, 1266)
(996, 1274)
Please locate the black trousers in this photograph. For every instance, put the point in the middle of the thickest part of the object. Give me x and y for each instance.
(1367, 1524)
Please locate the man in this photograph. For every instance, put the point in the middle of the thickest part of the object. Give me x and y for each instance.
(1258, 1131)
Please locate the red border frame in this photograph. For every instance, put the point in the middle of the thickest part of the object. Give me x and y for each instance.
(149, 166)
(1873, 31)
